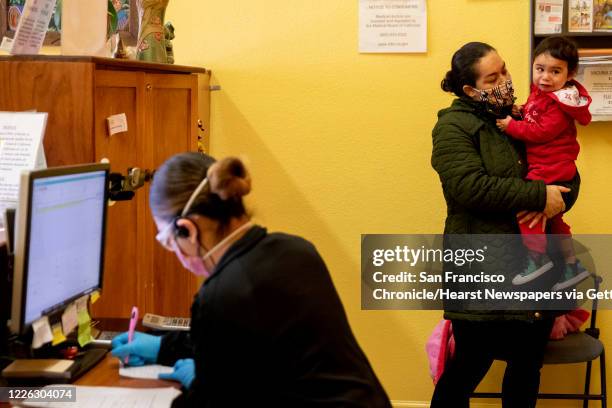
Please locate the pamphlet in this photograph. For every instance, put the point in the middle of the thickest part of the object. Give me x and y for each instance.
(548, 16)
(580, 18)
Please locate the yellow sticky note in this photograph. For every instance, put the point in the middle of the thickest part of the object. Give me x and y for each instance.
(58, 334)
(84, 335)
(94, 297)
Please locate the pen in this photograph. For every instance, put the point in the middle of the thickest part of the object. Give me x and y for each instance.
(133, 321)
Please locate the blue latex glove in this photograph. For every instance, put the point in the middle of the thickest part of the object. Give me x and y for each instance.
(184, 372)
(143, 349)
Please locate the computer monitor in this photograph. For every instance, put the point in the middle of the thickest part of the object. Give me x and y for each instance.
(59, 240)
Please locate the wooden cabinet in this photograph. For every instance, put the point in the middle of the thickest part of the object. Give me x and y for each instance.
(163, 104)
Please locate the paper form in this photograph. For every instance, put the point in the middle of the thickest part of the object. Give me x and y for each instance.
(111, 397)
(150, 372)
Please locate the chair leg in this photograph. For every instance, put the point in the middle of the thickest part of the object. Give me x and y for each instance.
(602, 367)
(587, 383)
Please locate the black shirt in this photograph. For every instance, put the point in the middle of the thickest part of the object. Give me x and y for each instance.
(268, 329)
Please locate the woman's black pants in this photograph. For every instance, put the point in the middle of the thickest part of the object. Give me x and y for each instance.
(521, 344)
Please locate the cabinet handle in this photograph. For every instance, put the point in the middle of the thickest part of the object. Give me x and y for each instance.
(149, 87)
(201, 125)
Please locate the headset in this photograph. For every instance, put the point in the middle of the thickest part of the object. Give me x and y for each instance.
(180, 231)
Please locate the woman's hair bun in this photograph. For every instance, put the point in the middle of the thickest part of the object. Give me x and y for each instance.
(448, 83)
(229, 178)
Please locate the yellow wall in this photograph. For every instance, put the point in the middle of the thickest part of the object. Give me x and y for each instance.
(339, 142)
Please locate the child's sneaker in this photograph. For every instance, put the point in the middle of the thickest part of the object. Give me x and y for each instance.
(536, 266)
(573, 275)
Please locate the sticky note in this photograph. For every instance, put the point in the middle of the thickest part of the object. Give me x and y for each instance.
(69, 319)
(117, 124)
(95, 295)
(84, 335)
(58, 334)
(42, 332)
(82, 303)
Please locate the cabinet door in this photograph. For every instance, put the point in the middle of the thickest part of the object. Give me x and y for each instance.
(64, 91)
(171, 123)
(125, 279)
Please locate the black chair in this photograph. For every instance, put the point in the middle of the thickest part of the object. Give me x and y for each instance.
(581, 347)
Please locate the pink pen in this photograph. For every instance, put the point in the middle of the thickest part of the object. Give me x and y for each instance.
(133, 321)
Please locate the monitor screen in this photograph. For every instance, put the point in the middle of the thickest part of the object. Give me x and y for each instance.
(59, 239)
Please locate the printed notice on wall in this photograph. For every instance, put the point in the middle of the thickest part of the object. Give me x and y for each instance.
(21, 135)
(597, 79)
(548, 15)
(392, 26)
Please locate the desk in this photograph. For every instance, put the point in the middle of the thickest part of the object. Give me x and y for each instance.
(106, 372)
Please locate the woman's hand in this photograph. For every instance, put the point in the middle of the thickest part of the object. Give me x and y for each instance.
(143, 349)
(517, 111)
(502, 124)
(184, 372)
(534, 217)
(554, 201)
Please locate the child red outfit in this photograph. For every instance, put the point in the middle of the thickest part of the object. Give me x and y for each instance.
(549, 133)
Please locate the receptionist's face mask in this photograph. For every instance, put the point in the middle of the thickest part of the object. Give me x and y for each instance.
(199, 264)
(196, 264)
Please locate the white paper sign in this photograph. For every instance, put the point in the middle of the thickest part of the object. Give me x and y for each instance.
(548, 16)
(597, 79)
(33, 25)
(391, 26)
(21, 135)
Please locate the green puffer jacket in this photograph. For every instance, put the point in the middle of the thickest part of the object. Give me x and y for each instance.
(482, 172)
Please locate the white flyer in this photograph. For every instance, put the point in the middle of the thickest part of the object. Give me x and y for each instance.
(392, 26)
(33, 25)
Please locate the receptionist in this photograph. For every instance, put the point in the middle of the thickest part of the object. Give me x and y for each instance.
(267, 325)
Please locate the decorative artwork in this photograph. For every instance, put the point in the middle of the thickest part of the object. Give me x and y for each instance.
(122, 7)
(15, 7)
(127, 22)
(580, 17)
(602, 12)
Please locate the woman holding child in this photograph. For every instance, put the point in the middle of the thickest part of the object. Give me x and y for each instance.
(482, 171)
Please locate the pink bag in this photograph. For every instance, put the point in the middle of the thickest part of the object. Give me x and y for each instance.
(440, 348)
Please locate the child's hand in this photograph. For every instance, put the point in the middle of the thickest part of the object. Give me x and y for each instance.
(517, 110)
(502, 124)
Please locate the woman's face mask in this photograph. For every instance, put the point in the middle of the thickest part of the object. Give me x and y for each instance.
(198, 264)
(194, 264)
(498, 97)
